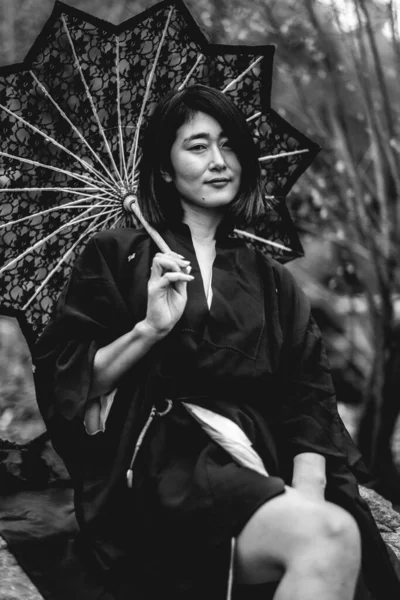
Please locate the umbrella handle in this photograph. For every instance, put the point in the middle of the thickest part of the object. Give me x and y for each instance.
(131, 205)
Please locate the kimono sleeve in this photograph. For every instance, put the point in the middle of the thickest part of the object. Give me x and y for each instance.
(309, 417)
(91, 312)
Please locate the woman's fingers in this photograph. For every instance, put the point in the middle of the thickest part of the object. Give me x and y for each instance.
(167, 290)
(168, 262)
(185, 264)
(172, 255)
(174, 277)
(177, 279)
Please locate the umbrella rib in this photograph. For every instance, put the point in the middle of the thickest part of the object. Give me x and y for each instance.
(120, 135)
(118, 218)
(50, 189)
(135, 143)
(192, 70)
(94, 206)
(49, 210)
(89, 230)
(35, 163)
(74, 221)
(255, 116)
(260, 239)
(48, 138)
(115, 215)
(90, 98)
(76, 130)
(240, 77)
(283, 154)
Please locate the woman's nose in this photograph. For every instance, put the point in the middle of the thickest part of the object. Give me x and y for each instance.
(217, 159)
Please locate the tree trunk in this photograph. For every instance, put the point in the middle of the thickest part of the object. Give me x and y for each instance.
(7, 28)
(379, 420)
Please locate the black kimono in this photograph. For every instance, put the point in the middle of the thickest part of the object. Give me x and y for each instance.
(255, 356)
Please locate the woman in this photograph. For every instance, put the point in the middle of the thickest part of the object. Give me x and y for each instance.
(218, 325)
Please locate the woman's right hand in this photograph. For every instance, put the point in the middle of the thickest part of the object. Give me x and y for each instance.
(166, 302)
(167, 293)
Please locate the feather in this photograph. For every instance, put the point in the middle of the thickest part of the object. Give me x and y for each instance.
(229, 436)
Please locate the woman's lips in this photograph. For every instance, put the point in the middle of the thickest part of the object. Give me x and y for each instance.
(218, 182)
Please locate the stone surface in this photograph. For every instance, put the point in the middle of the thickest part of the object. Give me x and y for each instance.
(15, 585)
(387, 519)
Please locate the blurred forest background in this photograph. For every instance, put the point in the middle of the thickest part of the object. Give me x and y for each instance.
(337, 79)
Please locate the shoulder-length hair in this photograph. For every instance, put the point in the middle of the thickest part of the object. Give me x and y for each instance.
(158, 200)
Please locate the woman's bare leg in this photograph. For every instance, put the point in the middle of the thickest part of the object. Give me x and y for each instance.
(313, 547)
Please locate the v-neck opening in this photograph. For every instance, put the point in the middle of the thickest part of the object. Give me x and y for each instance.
(209, 291)
(234, 322)
(209, 284)
(209, 288)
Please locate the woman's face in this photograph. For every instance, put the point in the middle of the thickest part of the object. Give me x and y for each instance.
(205, 170)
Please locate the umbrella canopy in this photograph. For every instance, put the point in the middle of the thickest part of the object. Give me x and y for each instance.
(72, 115)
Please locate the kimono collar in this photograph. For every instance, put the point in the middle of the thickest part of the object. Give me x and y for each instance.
(224, 234)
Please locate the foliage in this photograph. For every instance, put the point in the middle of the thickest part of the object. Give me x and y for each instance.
(345, 85)
(19, 417)
(22, 20)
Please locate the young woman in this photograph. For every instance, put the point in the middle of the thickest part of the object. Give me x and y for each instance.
(216, 324)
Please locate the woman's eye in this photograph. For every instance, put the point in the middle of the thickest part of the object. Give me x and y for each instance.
(227, 145)
(198, 147)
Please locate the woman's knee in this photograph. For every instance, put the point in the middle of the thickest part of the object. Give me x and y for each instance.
(327, 531)
(337, 526)
(330, 541)
(275, 532)
(340, 530)
(289, 526)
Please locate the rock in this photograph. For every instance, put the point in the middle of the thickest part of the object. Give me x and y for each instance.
(33, 465)
(16, 585)
(387, 519)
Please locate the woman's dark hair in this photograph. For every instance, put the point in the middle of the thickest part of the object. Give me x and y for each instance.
(158, 200)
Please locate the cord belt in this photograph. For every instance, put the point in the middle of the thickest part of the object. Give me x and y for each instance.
(153, 413)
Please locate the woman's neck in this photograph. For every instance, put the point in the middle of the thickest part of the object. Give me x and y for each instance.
(202, 224)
